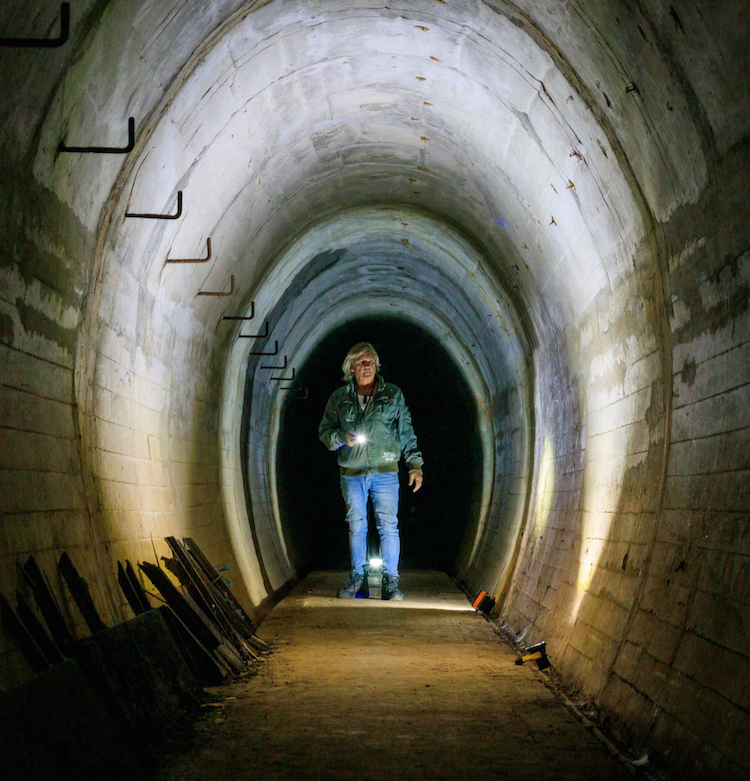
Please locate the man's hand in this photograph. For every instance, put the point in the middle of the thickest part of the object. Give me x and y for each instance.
(415, 479)
(351, 438)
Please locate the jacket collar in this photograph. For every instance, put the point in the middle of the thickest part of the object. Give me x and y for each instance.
(352, 388)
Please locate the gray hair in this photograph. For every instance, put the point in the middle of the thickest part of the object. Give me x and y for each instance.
(354, 355)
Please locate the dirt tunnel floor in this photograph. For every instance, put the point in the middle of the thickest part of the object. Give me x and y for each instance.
(366, 689)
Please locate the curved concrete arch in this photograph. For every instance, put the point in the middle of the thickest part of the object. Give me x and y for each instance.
(206, 129)
(361, 265)
(572, 174)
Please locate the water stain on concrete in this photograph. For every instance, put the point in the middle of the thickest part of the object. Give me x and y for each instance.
(687, 375)
(36, 322)
(7, 334)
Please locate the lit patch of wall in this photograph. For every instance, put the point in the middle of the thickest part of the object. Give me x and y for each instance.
(545, 488)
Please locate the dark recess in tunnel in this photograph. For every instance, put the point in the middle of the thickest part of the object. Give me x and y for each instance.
(433, 522)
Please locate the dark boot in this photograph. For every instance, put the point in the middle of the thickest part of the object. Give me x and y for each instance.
(364, 590)
(353, 585)
(390, 588)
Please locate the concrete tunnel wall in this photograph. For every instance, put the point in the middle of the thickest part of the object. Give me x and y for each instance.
(557, 191)
(356, 270)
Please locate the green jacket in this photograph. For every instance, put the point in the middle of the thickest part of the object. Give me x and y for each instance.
(386, 423)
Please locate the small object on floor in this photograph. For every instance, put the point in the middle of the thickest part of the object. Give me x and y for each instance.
(484, 602)
(352, 586)
(390, 588)
(537, 653)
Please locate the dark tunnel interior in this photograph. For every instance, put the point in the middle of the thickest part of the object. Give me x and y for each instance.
(538, 213)
(433, 521)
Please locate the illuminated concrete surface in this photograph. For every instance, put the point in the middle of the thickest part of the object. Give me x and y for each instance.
(554, 192)
(422, 689)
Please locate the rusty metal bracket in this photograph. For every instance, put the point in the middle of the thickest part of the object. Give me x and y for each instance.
(161, 216)
(194, 260)
(44, 43)
(290, 398)
(276, 368)
(102, 150)
(275, 350)
(264, 335)
(257, 336)
(217, 293)
(285, 379)
(238, 317)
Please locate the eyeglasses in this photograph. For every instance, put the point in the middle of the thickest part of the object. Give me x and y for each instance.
(365, 362)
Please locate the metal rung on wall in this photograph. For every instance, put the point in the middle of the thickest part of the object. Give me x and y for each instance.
(257, 336)
(44, 43)
(239, 317)
(276, 368)
(296, 395)
(285, 379)
(104, 150)
(275, 350)
(161, 216)
(217, 293)
(195, 260)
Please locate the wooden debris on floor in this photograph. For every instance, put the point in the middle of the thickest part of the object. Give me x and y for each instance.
(145, 671)
(46, 645)
(42, 594)
(79, 590)
(15, 628)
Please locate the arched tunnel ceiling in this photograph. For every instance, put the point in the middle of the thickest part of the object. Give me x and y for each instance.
(556, 190)
(294, 113)
(285, 114)
(522, 130)
(293, 117)
(358, 264)
(521, 127)
(361, 256)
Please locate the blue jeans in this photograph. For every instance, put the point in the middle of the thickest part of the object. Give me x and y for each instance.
(383, 489)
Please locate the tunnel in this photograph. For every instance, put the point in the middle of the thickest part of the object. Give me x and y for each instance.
(538, 214)
(435, 522)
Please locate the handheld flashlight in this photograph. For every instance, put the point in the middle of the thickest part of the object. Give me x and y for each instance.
(360, 439)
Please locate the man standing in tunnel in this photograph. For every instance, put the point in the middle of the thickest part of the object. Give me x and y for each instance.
(368, 423)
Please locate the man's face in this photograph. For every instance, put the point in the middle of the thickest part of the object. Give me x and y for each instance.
(364, 369)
